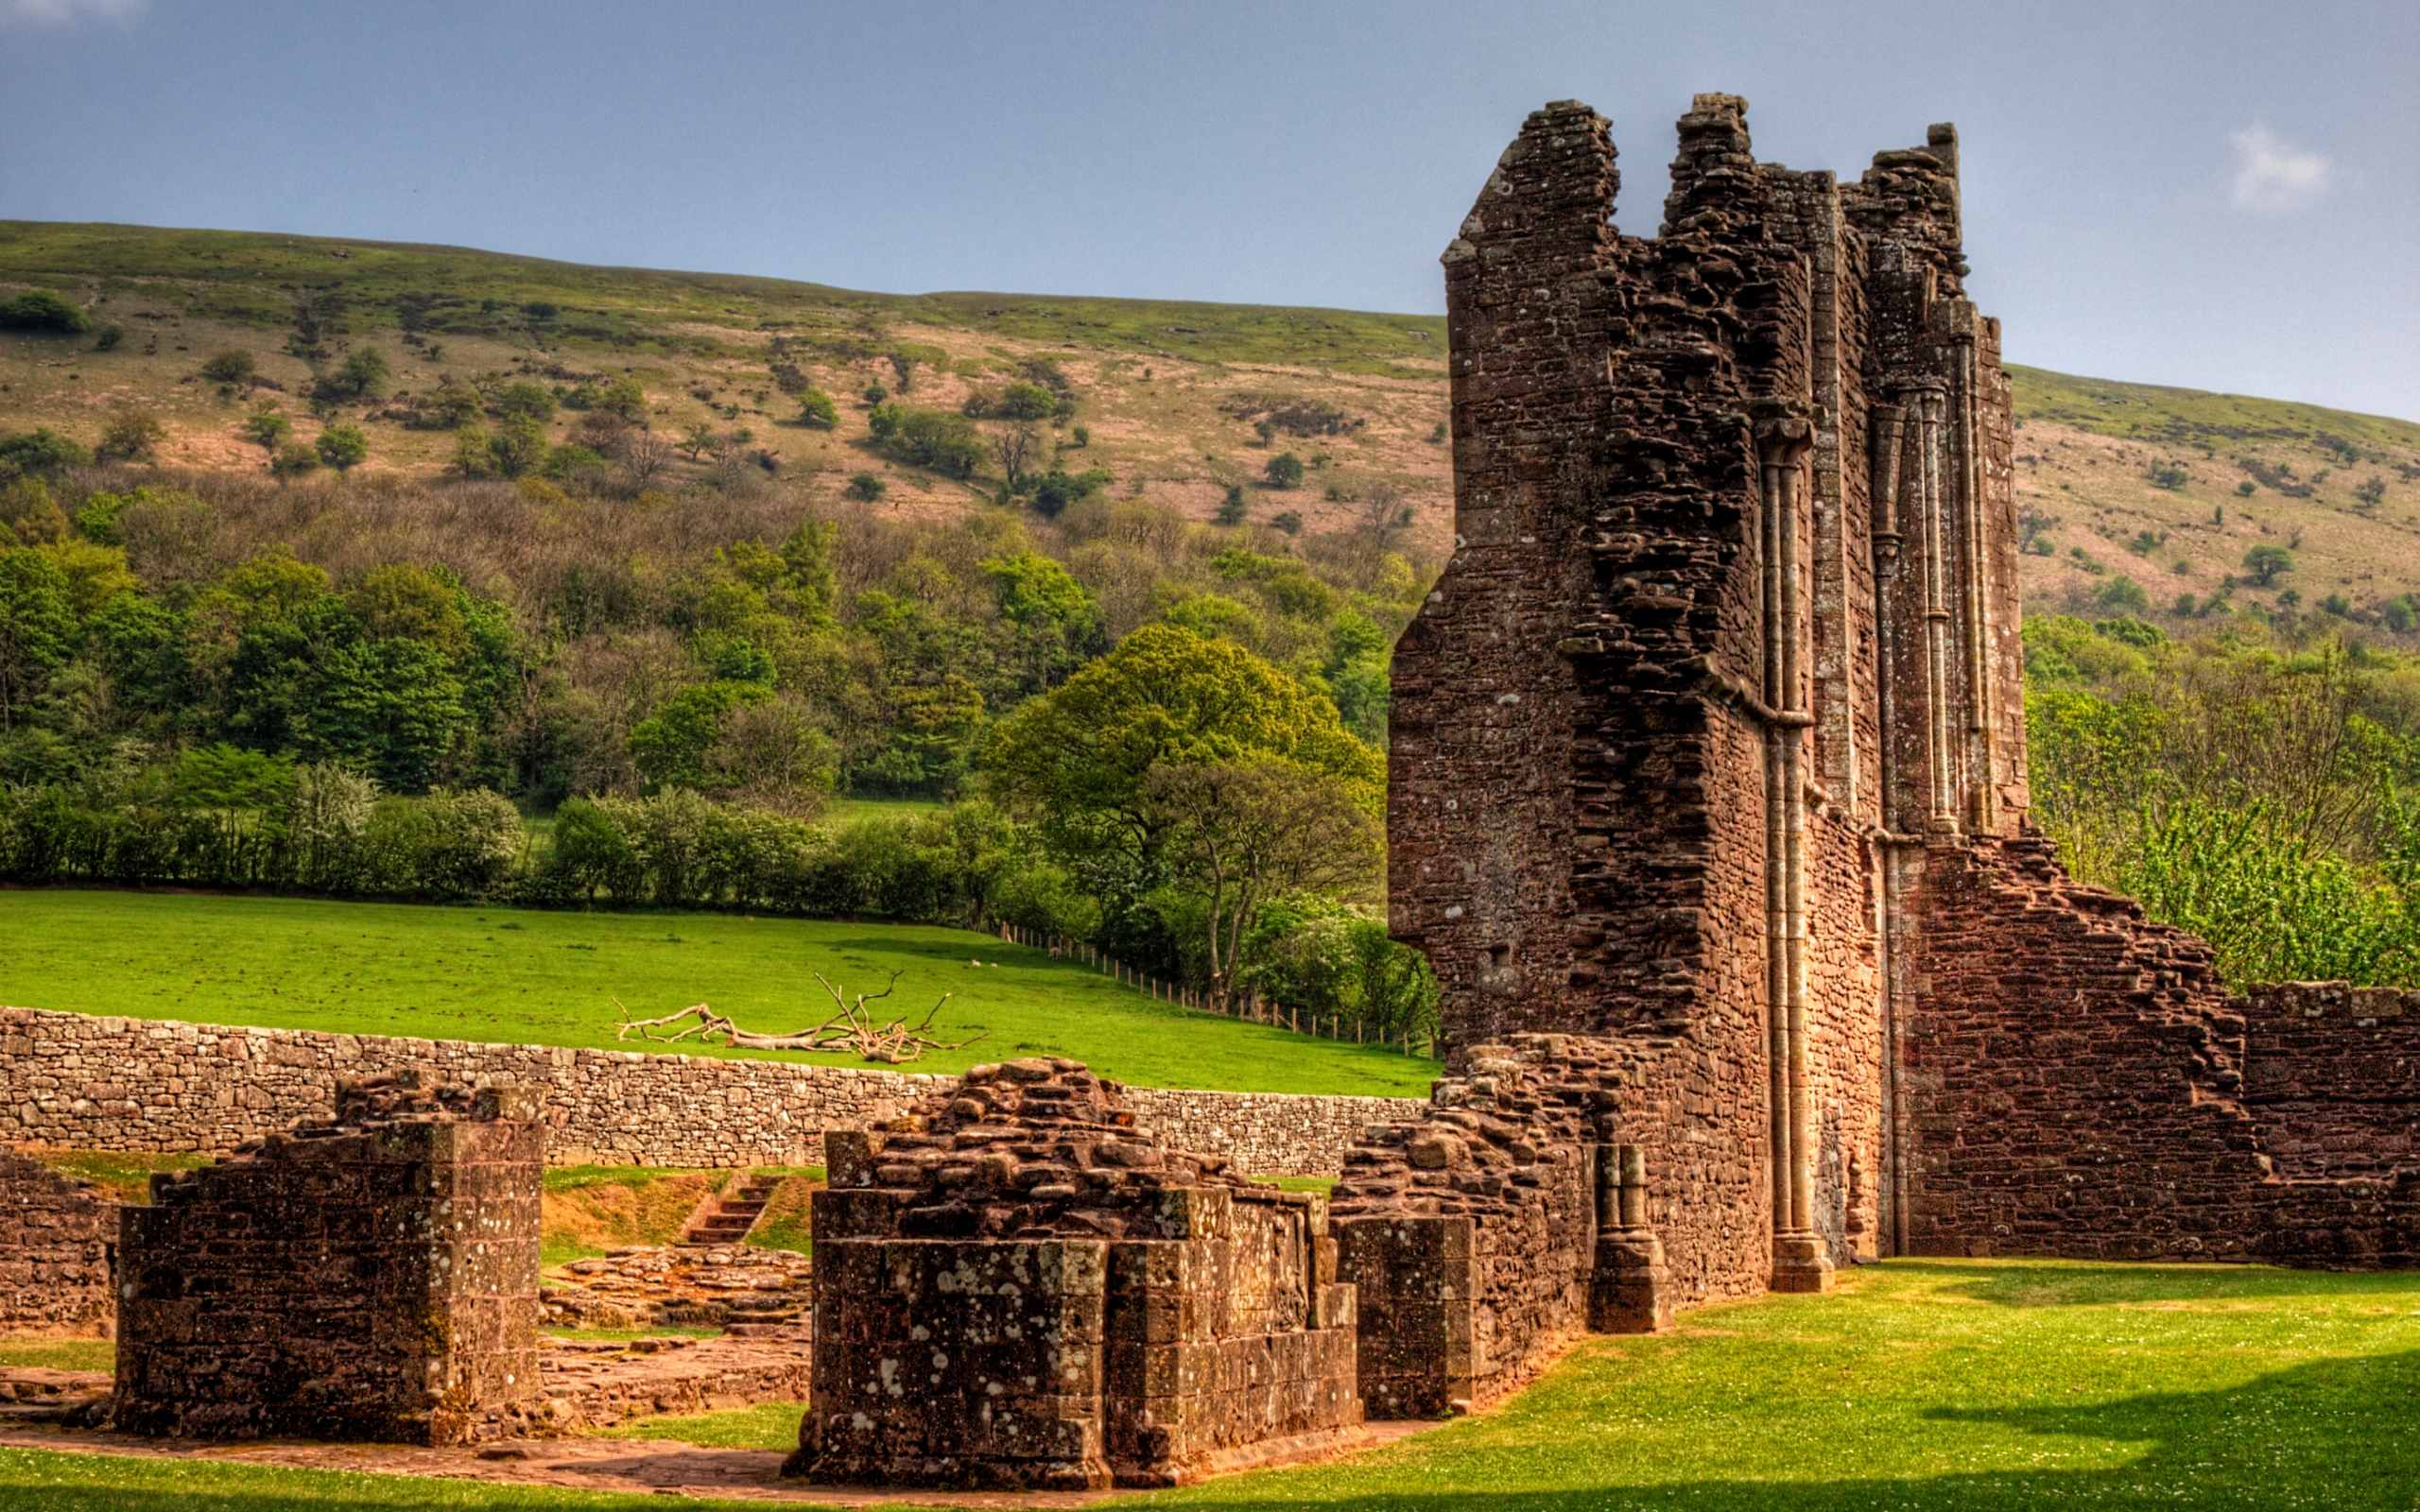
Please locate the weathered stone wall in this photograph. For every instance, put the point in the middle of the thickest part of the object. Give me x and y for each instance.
(2078, 1084)
(1015, 1287)
(371, 1278)
(57, 1236)
(78, 1082)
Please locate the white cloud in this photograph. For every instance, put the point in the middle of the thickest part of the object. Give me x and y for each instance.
(2273, 176)
(69, 10)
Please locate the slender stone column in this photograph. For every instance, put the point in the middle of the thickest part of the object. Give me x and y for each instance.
(1942, 818)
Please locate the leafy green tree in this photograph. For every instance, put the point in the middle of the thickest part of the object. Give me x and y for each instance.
(412, 602)
(293, 460)
(519, 444)
(2267, 563)
(866, 487)
(267, 430)
(450, 407)
(670, 746)
(1055, 490)
(43, 310)
(343, 447)
(522, 400)
(1025, 402)
(1057, 620)
(1076, 759)
(1231, 509)
(475, 452)
(816, 410)
(29, 516)
(2121, 594)
(1285, 471)
(362, 377)
(1241, 832)
(396, 706)
(230, 366)
(806, 557)
(625, 397)
(37, 627)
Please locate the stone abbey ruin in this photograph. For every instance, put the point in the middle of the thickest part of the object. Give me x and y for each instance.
(1708, 804)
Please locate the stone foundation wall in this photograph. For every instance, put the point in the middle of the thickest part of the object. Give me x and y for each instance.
(57, 1237)
(76, 1082)
(376, 1282)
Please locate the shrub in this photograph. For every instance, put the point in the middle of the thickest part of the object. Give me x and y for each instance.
(1288, 522)
(109, 338)
(2168, 477)
(43, 310)
(267, 429)
(625, 397)
(867, 487)
(2371, 493)
(39, 449)
(542, 309)
(572, 462)
(1231, 509)
(816, 410)
(343, 447)
(230, 366)
(473, 452)
(2123, 594)
(294, 459)
(2247, 489)
(929, 438)
(363, 375)
(1025, 402)
(526, 400)
(131, 436)
(1285, 471)
(1054, 490)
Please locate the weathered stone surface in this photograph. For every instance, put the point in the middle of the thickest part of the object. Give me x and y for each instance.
(374, 1278)
(1015, 1286)
(57, 1241)
(82, 1082)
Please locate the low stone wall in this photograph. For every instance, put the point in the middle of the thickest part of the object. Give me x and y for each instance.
(75, 1081)
(56, 1235)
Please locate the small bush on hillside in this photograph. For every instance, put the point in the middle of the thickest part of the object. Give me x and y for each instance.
(39, 449)
(1288, 522)
(520, 400)
(43, 310)
(343, 447)
(229, 366)
(109, 338)
(816, 410)
(1285, 471)
(294, 459)
(2267, 563)
(362, 377)
(131, 436)
(866, 487)
(2121, 594)
(1231, 509)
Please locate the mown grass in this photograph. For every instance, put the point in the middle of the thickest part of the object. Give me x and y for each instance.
(125, 1175)
(538, 977)
(40, 1481)
(1994, 1386)
(59, 1354)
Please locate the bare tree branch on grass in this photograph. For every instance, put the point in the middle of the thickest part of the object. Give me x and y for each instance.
(852, 1028)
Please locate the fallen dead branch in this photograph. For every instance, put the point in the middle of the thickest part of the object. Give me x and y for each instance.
(851, 1028)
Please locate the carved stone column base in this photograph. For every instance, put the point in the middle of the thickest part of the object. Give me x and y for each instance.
(1630, 1292)
(1802, 1263)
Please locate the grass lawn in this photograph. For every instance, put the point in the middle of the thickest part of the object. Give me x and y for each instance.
(1994, 1386)
(542, 977)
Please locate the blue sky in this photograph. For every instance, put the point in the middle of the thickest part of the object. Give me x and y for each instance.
(2224, 196)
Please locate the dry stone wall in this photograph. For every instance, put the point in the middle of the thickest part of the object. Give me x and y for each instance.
(72, 1081)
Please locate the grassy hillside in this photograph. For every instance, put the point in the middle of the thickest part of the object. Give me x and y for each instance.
(535, 977)
(2171, 488)
(1163, 384)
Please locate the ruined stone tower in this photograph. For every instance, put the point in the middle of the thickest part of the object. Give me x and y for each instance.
(1707, 803)
(1729, 634)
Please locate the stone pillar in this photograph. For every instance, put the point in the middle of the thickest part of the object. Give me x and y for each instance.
(1631, 1291)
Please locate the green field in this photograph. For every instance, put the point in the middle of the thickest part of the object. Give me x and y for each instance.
(527, 977)
(1996, 1386)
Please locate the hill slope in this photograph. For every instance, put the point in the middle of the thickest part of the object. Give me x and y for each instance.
(2113, 478)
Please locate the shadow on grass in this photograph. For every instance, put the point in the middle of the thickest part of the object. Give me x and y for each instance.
(2076, 1284)
(2331, 1435)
